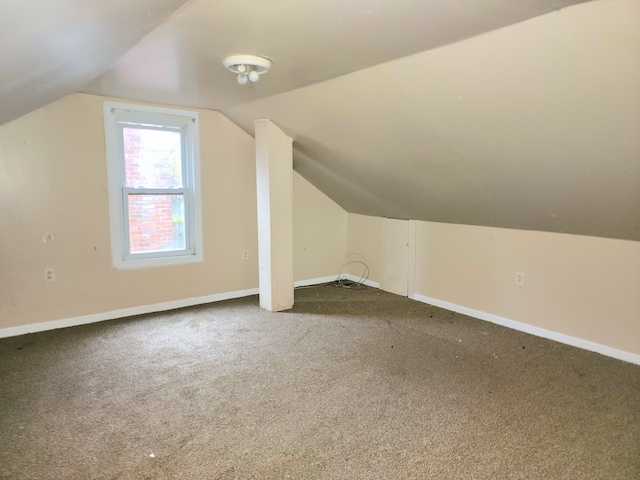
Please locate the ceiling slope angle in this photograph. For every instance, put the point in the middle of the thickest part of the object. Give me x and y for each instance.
(532, 127)
(180, 62)
(53, 48)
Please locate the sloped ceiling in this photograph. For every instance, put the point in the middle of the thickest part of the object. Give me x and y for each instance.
(532, 125)
(308, 40)
(50, 49)
(535, 126)
(170, 51)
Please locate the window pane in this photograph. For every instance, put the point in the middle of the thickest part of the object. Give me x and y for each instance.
(156, 223)
(152, 158)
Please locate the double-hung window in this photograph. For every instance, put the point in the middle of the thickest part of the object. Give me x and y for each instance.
(153, 171)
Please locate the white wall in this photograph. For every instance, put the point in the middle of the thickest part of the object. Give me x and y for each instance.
(274, 189)
(585, 287)
(53, 179)
(364, 243)
(579, 286)
(319, 232)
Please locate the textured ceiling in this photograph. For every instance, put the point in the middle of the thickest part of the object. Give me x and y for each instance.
(398, 108)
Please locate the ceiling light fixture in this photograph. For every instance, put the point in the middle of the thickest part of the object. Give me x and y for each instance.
(247, 67)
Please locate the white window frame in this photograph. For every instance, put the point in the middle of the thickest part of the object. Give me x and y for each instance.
(185, 121)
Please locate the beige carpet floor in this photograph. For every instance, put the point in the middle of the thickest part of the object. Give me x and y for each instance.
(347, 385)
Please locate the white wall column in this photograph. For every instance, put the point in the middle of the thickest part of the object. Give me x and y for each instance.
(274, 177)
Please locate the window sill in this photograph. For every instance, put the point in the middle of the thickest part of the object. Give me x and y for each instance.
(157, 262)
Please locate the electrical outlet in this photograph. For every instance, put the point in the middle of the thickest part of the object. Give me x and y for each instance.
(520, 278)
(245, 254)
(49, 275)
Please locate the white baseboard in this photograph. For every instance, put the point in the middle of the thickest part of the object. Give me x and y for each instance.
(333, 278)
(537, 331)
(314, 281)
(156, 307)
(123, 312)
(188, 302)
(369, 283)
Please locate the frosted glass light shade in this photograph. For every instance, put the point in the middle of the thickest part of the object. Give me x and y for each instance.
(247, 67)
